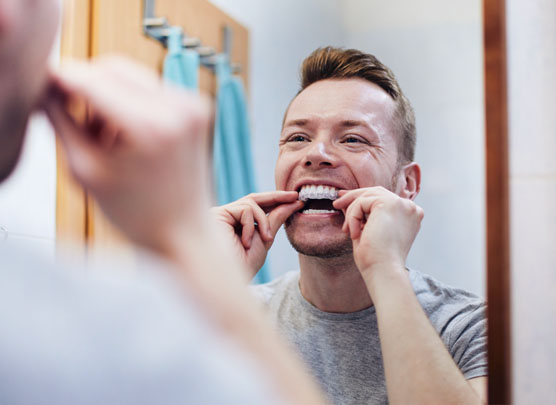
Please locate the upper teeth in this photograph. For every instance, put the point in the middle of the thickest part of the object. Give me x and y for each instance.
(318, 193)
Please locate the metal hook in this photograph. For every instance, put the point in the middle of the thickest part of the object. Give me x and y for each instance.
(158, 28)
(191, 42)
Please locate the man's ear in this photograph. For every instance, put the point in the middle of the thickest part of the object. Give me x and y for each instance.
(409, 181)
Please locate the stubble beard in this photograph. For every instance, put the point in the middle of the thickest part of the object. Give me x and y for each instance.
(325, 250)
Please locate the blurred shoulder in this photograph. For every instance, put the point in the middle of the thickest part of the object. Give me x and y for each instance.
(276, 288)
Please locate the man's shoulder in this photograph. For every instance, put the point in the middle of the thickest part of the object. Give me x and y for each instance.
(446, 306)
(277, 288)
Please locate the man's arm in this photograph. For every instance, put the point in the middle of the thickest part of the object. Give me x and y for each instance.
(142, 152)
(418, 367)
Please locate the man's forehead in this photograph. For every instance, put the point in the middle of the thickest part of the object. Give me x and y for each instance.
(345, 102)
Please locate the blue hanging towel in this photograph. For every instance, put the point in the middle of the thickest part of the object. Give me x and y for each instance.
(181, 66)
(233, 163)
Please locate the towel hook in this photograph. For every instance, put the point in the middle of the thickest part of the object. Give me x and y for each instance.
(158, 28)
(154, 27)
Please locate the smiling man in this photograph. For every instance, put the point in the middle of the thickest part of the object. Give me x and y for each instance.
(371, 330)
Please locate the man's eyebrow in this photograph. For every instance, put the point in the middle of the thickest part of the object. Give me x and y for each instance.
(296, 123)
(353, 123)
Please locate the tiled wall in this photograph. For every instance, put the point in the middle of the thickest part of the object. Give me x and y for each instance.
(532, 108)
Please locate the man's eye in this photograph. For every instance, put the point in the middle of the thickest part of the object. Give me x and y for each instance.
(297, 138)
(353, 139)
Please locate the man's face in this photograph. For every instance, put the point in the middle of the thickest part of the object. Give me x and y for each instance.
(27, 30)
(338, 133)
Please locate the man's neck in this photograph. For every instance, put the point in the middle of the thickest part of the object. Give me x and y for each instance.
(333, 284)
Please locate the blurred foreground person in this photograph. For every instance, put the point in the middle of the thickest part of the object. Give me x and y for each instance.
(179, 332)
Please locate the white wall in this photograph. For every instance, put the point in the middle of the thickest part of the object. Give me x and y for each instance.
(531, 45)
(435, 48)
(28, 196)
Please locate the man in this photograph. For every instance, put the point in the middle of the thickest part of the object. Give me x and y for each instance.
(174, 336)
(371, 330)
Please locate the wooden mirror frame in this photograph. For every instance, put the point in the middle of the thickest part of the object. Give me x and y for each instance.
(497, 202)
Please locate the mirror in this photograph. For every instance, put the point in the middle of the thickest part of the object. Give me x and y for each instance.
(436, 51)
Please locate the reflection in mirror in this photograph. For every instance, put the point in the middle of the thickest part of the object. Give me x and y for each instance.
(435, 50)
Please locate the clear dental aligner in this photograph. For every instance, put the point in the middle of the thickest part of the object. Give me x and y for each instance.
(319, 192)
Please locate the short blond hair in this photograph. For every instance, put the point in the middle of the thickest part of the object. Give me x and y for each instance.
(339, 63)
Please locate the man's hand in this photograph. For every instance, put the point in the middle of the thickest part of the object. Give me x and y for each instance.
(382, 225)
(140, 149)
(250, 223)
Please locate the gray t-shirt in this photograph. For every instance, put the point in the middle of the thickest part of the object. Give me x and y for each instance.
(343, 350)
(111, 337)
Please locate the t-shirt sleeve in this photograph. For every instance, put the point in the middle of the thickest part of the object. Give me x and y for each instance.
(468, 341)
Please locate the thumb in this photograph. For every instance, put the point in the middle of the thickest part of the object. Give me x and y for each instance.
(282, 212)
(79, 151)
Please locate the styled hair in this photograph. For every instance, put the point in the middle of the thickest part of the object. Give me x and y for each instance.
(339, 63)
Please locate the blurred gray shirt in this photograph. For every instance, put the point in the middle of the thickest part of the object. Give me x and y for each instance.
(76, 336)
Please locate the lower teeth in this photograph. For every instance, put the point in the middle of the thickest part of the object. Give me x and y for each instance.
(312, 211)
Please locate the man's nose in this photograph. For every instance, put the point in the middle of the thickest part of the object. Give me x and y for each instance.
(319, 155)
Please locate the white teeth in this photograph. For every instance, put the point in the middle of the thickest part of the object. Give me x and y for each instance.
(312, 211)
(320, 192)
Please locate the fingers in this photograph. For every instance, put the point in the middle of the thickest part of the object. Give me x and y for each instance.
(260, 212)
(271, 198)
(245, 213)
(359, 204)
(247, 227)
(132, 104)
(79, 150)
(356, 215)
(348, 196)
(278, 215)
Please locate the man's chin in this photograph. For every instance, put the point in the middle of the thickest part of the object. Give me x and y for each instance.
(327, 249)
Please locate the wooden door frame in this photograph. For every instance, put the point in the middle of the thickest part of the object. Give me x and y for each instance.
(71, 199)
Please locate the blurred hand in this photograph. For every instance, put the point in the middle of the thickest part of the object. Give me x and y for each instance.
(141, 150)
(381, 224)
(251, 223)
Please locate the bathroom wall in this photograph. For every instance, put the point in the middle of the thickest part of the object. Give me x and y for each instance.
(435, 49)
(531, 44)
